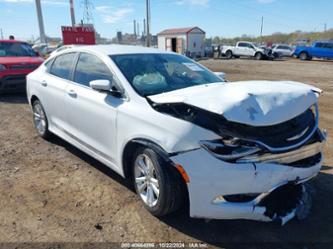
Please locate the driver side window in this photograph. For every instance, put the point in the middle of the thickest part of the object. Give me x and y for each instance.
(89, 67)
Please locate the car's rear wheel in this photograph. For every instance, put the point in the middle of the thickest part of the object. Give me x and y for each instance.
(40, 120)
(303, 56)
(156, 183)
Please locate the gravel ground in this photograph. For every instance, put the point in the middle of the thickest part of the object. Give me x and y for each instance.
(52, 192)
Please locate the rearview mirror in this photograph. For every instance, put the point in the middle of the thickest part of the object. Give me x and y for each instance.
(100, 85)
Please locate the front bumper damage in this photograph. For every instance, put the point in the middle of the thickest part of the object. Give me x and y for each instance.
(262, 186)
(268, 146)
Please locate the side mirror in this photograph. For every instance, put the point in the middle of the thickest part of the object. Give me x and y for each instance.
(100, 85)
(221, 75)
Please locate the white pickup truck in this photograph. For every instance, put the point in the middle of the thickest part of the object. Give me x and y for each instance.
(247, 49)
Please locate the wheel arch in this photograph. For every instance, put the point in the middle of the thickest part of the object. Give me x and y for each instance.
(132, 145)
(258, 52)
(229, 50)
(33, 98)
(303, 51)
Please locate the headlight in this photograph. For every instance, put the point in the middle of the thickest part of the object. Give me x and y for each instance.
(228, 151)
(2, 67)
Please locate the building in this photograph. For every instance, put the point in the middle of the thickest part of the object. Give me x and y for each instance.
(189, 41)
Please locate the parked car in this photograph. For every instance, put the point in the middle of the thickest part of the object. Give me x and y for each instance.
(246, 49)
(61, 48)
(44, 49)
(241, 150)
(319, 49)
(283, 50)
(17, 59)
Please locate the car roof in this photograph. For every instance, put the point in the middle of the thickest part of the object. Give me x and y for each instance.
(114, 49)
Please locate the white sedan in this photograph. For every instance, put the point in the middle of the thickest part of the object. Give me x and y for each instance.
(181, 134)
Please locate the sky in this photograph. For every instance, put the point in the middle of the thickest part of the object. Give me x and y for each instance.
(226, 18)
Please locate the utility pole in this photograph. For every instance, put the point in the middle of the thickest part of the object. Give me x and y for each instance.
(262, 27)
(134, 26)
(1, 34)
(148, 23)
(71, 4)
(144, 27)
(325, 27)
(42, 36)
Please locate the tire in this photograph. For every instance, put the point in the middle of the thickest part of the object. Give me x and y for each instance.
(303, 56)
(162, 192)
(258, 56)
(40, 120)
(229, 55)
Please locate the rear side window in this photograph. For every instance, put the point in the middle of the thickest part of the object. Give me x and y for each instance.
(63, 65)
(328, 45)
(90, 67)
(241, 44)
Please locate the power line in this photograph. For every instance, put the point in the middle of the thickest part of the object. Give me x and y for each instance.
(87, 13)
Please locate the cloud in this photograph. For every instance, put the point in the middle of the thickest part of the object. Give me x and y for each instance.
(103, 9)
(115, 16)
(52, 2)
(193, 2)
(17, 1)
(265, 1)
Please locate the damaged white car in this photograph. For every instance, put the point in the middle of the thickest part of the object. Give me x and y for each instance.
(241, 150)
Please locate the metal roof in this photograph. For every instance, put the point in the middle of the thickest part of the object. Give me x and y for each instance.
(179, 31)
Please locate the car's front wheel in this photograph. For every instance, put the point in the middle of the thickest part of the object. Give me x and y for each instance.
(229, 55)
(40, 120)
(258, 56)
(156, 182)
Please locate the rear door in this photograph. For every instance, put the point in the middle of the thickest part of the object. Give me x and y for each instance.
(53, 84)
(90, 114)
(329, 50)
(241, 49)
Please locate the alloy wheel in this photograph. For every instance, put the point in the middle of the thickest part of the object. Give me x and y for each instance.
(146, 180)
(39, 118)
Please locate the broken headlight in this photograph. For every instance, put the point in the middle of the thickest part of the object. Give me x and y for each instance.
(228, 150)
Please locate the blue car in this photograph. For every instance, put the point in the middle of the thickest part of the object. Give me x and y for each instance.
(319, 49)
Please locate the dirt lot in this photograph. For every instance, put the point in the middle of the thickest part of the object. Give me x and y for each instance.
(51, 192)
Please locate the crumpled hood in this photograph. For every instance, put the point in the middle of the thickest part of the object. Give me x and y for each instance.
(256, 103)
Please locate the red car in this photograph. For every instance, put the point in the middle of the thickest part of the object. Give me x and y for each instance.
(17, 59)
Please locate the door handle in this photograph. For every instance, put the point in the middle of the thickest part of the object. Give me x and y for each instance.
(71, 93)
(43, 83)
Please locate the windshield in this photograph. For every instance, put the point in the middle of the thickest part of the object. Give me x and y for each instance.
(151, 74)
(17, 49)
